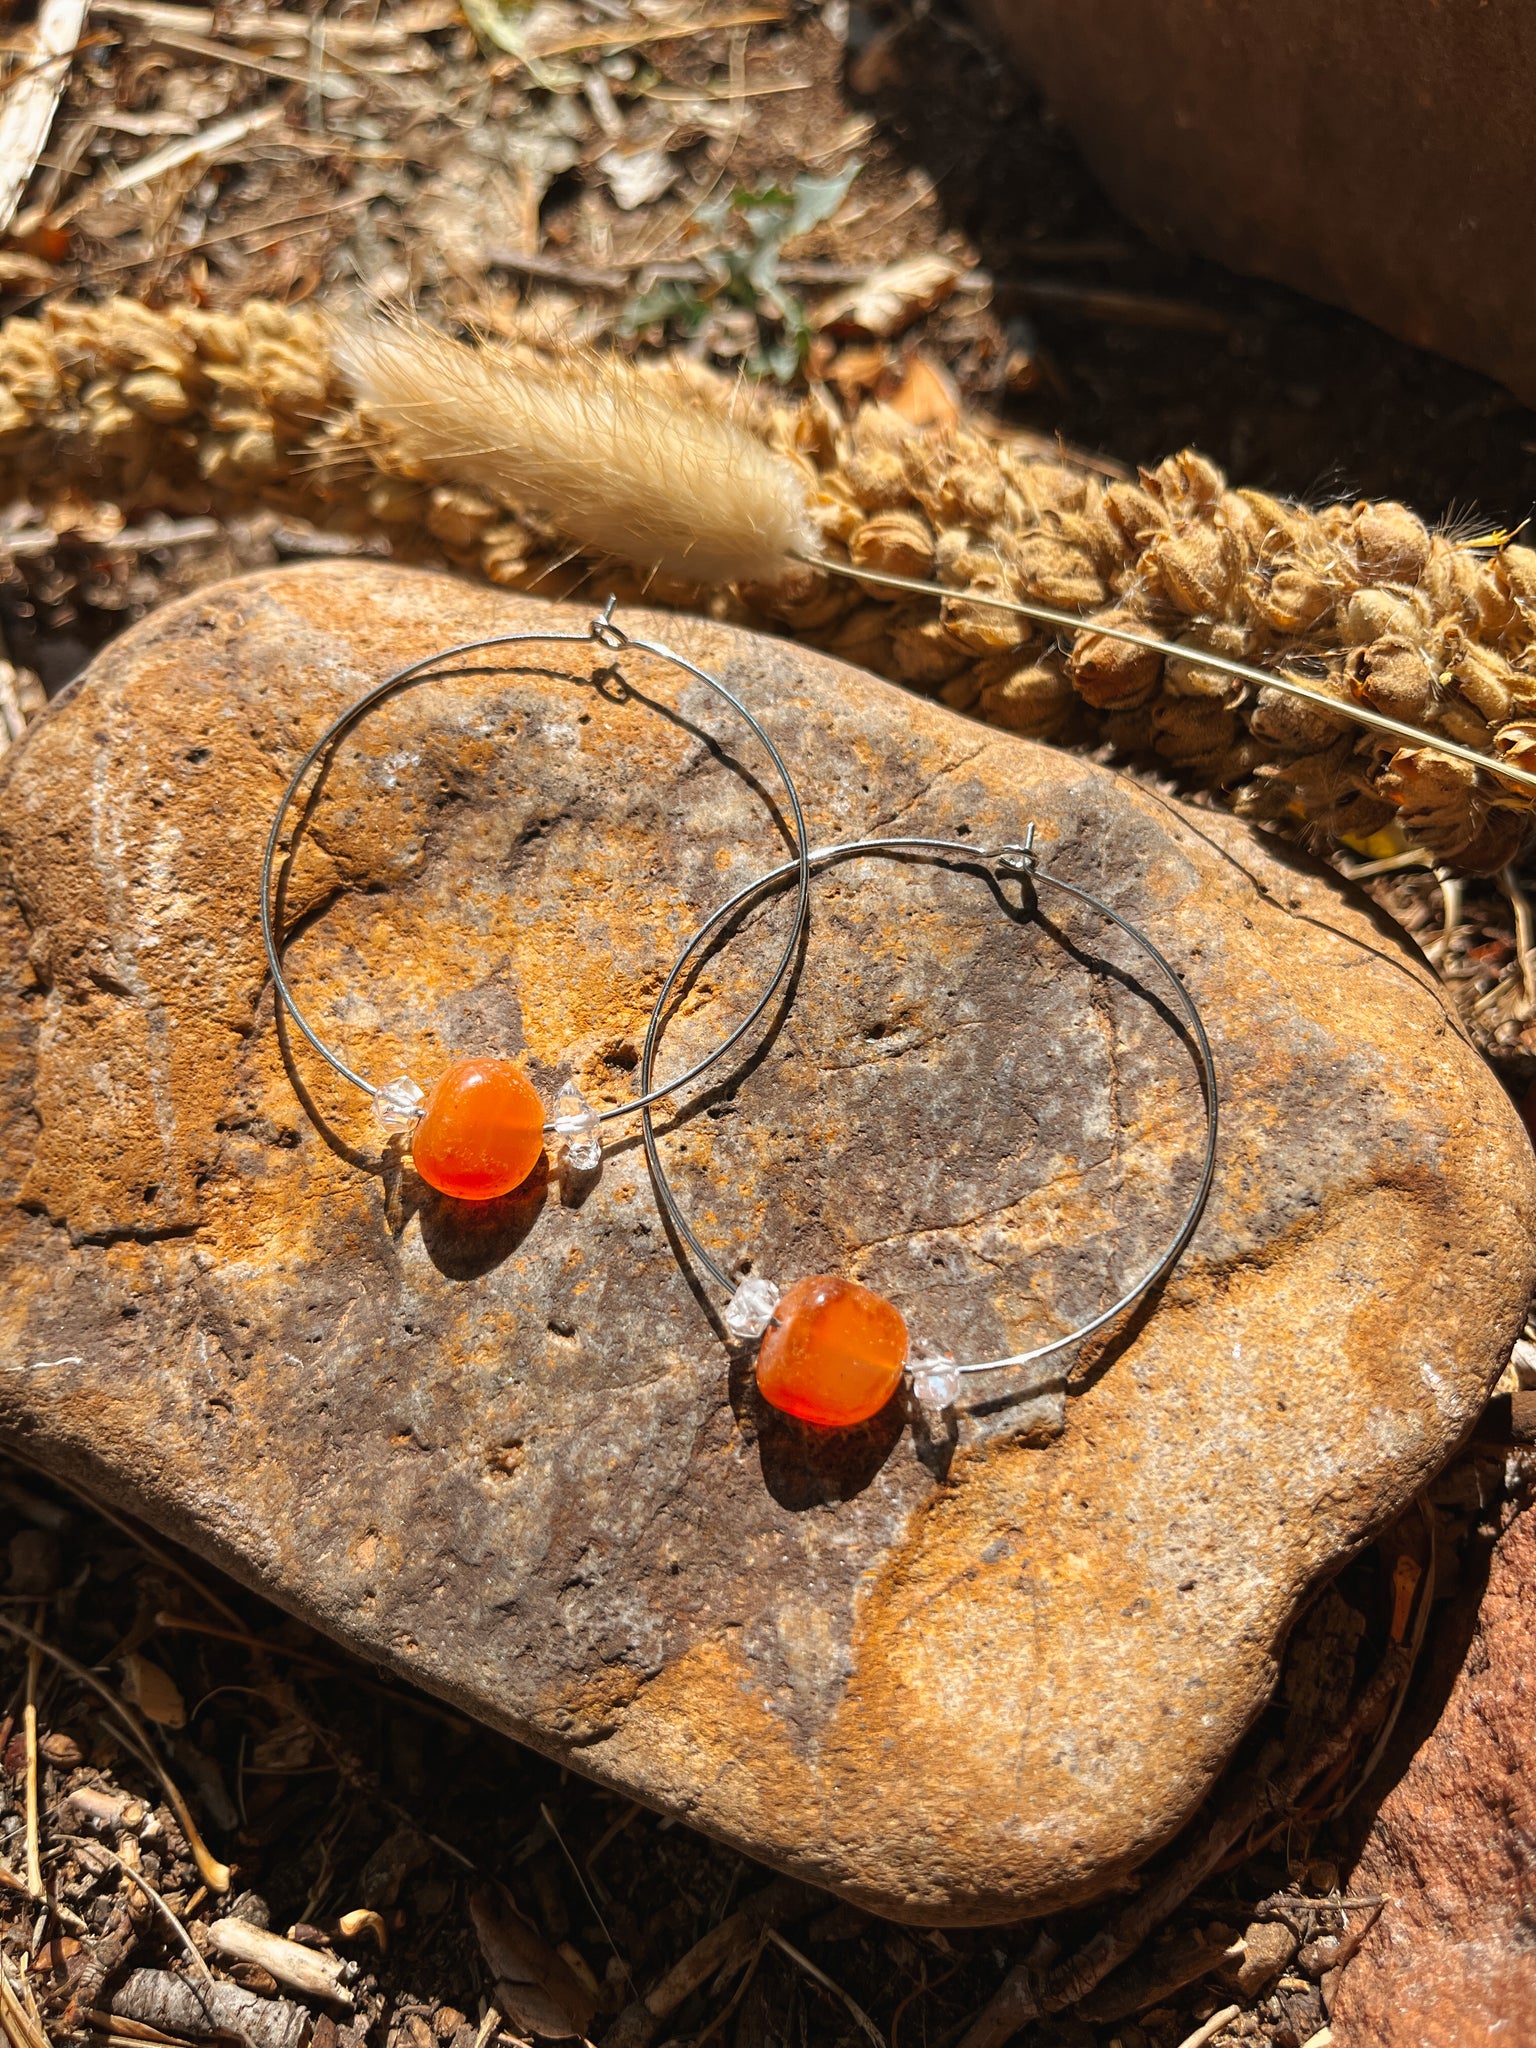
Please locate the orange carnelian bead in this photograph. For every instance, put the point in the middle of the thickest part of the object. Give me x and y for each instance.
(833, 1353)
(481, 1131)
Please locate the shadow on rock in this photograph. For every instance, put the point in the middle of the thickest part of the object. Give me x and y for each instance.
(465, 1240)
(805, 1467)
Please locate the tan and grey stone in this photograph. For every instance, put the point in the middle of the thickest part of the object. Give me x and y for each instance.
(505, 1452)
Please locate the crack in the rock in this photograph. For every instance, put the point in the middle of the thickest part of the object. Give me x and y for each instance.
(939, 775)
(914, 1233)
(129, 1233)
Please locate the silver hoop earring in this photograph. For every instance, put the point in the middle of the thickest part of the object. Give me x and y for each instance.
(480, 1129)
(831, 1352)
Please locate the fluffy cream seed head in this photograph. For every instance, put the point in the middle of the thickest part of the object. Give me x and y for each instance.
(621, 463)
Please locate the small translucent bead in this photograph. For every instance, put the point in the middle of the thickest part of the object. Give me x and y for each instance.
(397, 1104)
(576, 1121)
(750, 1309)
(934, 1379)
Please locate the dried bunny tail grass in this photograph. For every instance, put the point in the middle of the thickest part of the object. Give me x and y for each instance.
(627, 465)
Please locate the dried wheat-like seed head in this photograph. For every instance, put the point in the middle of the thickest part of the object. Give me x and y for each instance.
(654, 473)
(507, 461)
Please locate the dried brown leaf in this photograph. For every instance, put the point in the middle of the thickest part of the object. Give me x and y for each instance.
(891, 299)
(927, 395)
(536, 1988)
(153, 1691)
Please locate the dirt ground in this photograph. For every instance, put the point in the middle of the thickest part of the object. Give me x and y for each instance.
(725, 179)
(397, 1842)
(633, 184)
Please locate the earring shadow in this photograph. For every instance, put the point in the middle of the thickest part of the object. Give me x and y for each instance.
(610, 684)
(467, 1240)
(715, 1094)
(1132, 983)
(804, 1466)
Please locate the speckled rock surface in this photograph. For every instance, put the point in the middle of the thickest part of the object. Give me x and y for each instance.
(1451, 1962)
(505, 1451)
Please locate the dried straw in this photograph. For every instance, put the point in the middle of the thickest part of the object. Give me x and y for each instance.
(187, 411)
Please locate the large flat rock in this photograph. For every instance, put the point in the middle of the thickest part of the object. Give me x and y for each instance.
(505, 1453)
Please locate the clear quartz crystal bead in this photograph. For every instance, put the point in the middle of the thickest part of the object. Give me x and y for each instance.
(576, 1123)
(397, 1105)
(935, 1380)
(750, 1309)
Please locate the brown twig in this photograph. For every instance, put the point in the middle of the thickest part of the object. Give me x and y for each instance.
(1117, 308)
(1525, 939)
(31, 541)
(133, 2030)
(277, 27)
(116, 2033)
(246, 1640)
(178, 1932)
(611, 1833)
(1352, 1937)
(300, 1969)
(619, 277)
(920, 1991)
(727, 1944)
(586, 1892)
(1208, 2029)
(150, 1548)
(827, 1983)
(364, 1920)
(1413, 1642)
(669, 32)
(30, 105)
(323, 1667)
(738, 1994)
(21, 2028)
(210, 142)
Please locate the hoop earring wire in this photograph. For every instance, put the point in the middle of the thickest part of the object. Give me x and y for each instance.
(754, 1300)
(397, 1110)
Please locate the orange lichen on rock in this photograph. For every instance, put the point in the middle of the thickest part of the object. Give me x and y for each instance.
(481, 1130)
(833, 1353)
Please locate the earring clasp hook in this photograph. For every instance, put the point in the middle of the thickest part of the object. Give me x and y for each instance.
(605, 632)
(1019, 860)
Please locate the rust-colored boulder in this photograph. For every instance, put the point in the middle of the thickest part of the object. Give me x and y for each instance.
(1452, 1961)
(503, 1451)
(1361, 150)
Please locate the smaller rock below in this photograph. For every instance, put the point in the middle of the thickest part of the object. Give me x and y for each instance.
(1450, 1962)
(1268, 1946)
